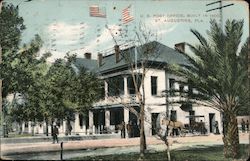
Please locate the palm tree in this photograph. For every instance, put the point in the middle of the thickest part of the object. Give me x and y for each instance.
(218, 71)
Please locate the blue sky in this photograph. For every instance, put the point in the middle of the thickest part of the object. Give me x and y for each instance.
(65, 25)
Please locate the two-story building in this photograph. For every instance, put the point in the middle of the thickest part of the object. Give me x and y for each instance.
(115, 70)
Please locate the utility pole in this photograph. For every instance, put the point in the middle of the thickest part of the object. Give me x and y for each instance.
(221, 26)
(219, 8)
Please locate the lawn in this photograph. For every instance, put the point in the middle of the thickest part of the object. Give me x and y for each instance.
(210, 153)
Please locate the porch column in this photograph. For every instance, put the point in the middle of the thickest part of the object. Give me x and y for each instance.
(107, 118)
(29, 127)
(91, 122)
(125, 86)
(64, 127)
(106, 89)
(23, 127)
(76, 127)
(126, 119)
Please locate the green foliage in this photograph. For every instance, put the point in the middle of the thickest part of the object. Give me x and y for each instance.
(219, 74)
(62, 90)
(11, 28)
(217, 71)
(211, 153)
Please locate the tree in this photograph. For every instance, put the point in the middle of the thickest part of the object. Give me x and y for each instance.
(19, 64)
(219, 74)
(68, 90)
(145, 46)
(10, 33)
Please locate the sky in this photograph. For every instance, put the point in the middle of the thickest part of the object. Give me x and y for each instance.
(66, 25)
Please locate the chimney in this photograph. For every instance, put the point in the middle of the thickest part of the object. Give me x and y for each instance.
(180, 47)
(117, 53)
(100, 59)
(87, 55)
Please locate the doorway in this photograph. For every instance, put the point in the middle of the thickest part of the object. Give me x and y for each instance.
(211, 122)
(153, 121)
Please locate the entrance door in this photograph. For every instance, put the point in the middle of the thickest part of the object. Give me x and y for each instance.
(191, 118)
(211, 122)
(135, 123)
(173, 115)
(153, 120)
(99, 121)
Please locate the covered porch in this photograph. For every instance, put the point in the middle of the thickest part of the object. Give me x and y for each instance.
(106, 119)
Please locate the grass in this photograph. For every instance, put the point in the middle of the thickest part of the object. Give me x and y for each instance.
(209, 153)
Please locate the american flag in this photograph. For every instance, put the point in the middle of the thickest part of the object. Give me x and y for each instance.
(96, 11)
(126, 17)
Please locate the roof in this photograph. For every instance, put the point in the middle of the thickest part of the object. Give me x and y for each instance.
(89, 64)
(160, 54)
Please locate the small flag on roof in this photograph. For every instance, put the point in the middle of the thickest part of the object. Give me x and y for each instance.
(126, 15)
(96, 11)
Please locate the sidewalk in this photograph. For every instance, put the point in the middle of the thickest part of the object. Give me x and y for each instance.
(104, 146)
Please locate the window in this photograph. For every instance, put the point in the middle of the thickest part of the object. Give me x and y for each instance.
(181, 89)
(81, 120)
(116, 116)
(173, 116)
(116, 86)
(87, 120)
(191, 117)
(190, 90)
(171, 86)
(131, 85)
(102, 92)
(153, 85)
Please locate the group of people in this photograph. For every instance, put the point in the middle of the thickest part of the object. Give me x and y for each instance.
(132, 129)
(244, 126)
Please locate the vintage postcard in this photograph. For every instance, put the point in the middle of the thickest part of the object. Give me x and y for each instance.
(124, 80)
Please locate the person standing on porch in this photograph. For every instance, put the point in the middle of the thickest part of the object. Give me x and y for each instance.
(123, 129)
(216, 128)
(243, 125)
(247, 126)
(129, 129)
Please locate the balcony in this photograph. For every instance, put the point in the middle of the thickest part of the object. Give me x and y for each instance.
(113, 100)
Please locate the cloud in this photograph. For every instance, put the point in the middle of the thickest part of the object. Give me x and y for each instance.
(106, 35)
(169, 29)
(160, 25)
(67, 37)
(66, 34)
(104, 39)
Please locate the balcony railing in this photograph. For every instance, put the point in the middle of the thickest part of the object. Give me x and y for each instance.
(132, 99)
(129, 99)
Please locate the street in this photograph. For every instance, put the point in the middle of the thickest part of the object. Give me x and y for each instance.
(72, 149)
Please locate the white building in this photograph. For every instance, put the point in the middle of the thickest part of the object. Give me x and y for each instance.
(119, 90)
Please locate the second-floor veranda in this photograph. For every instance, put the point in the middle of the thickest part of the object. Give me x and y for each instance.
(119, 88)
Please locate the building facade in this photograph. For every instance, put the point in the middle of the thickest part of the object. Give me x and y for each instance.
(120, 93)
(120, 98)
